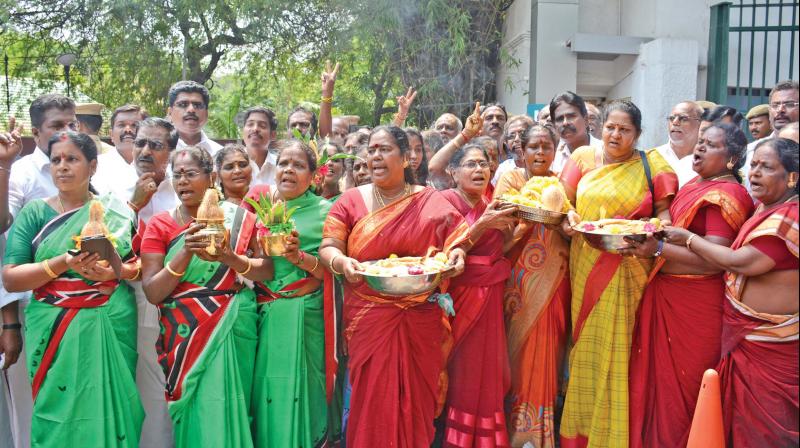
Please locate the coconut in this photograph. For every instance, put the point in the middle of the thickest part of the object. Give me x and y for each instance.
(552, 199)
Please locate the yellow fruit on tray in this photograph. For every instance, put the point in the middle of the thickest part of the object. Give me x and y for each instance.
(540, 192)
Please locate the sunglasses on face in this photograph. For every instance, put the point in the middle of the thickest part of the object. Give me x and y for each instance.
(155, 145)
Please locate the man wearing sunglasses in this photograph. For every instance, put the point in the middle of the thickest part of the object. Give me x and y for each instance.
(188, 112)
(683, 124)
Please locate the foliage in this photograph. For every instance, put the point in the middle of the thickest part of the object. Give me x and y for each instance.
(273, 215)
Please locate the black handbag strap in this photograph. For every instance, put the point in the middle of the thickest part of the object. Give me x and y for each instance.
(648, 175)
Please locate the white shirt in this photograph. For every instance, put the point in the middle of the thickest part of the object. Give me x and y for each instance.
(30, 179)
(563, 152)
(506, 166)
(209, 145)
(119, 177)
(266, 174)
(751, 148)
(682, 166)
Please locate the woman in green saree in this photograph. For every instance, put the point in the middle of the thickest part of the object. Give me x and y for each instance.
(208, 318)
(81, 324)
(289, 401)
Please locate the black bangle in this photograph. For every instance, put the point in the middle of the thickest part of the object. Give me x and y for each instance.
(16, 326)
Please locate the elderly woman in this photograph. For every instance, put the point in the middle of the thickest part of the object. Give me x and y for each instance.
(397, 345)
(81, 324)
(360, 172)
(289, 407)
(615, 180)
(234, 172)
(759, 368)
(537, 305)
(678, 330)
(478, 368)
(208, 317)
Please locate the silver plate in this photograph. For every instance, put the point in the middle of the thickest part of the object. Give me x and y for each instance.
(402, 285)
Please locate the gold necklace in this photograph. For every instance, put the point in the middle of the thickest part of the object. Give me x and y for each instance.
(380, 198)
(718, 177)
(179, 214)
(64, 210)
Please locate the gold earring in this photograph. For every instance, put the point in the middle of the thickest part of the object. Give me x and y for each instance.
(405, 164)
(791, 184)
(731, 165)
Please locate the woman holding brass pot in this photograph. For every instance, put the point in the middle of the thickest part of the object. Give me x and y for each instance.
(289, 403)
(208, 318)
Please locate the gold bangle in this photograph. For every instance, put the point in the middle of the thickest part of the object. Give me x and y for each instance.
(249, 266)
(689, 241)
(327, 99)
(169, 269)
(331, 264)
(46, 266)
(138, 271)
(316, 265)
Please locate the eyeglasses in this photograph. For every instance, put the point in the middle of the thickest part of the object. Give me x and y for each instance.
(155, 145)
(472, 164)
(681, 119)
(515, 135)
(199, 105)
(189, 175)
(789, 105)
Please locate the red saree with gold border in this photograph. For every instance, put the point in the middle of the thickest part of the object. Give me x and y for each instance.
(678, 329)
(397, 345)
(759, 371)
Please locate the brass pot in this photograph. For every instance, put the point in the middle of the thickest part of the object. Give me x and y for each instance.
(275, 244)
(213, 234)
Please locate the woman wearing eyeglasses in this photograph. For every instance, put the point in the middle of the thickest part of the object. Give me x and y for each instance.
(81, 324)
(536, 305)
(478, 366)
(208, 317)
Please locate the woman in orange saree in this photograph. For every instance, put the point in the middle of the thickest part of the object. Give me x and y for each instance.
(606, 287)
(759, 373)
(678, 329)
(397, 346)
(536, 306)
(478, 367)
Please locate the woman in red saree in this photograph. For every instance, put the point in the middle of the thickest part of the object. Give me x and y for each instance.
(397, 346)
(536, 307)
(678, 329)
(478, 367)
(759, 368)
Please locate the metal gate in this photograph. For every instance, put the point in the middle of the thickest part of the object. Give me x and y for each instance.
(752, 45)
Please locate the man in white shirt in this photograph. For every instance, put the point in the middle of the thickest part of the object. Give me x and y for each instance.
(258, 131)
(783, 109)
(115, 170)
(569, 115)
(683, 125)
(29, 179)
(188, 112)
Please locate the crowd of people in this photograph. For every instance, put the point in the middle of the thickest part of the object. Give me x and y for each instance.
(535, 338)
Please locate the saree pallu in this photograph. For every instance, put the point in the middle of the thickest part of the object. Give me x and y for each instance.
(537, 316)
(478, 367)
(207, 345)
(678, 329)
(81, 342)
(606, 289)
(289, 402)
(759, 371)
(397, 345)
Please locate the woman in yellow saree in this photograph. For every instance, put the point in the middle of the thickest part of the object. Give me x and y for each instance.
(613, 181)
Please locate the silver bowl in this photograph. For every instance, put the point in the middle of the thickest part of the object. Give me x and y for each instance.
(611, 243)
(402, 285)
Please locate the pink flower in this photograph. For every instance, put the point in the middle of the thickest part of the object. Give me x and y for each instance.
(323, 170)
(588, 227)
(649, 227)
(261, 230)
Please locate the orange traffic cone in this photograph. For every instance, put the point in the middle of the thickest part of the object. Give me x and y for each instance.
(707, 429)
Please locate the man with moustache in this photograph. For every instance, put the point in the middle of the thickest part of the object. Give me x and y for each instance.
(783, 109)
(27, 179)
(568, 114)
(683, 124)
(152, 193)
(448, 125)
(339, 129)
(758, 121)
(258, 131)
(188, 112)
(115, 171)
(494, 121)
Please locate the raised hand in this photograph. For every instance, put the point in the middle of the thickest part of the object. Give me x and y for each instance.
(10, 143)
(144, 190)
(404, 102)
(474, 123)
(328, 79)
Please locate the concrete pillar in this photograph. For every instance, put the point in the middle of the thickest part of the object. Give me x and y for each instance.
(553, 67)
(665, 73)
